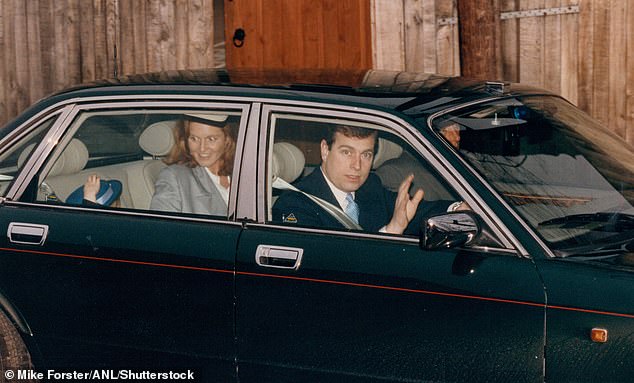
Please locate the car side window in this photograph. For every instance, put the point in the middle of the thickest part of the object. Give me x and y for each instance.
(168, 161)
(315, 162)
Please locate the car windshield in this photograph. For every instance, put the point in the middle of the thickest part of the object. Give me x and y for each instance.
(568, 177)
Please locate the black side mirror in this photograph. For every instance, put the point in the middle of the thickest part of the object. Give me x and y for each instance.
(450, 230)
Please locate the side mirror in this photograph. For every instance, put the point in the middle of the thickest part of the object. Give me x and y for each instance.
(450, 230)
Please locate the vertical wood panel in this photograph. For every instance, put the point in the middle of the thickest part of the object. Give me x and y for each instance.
(447, 54)
(3, 105)
(313, 35)
(569, 55)
(21, 56)
(531, 45)
(388, 39)
(200, 40)
(34, 49)
(87, 40)
(416, 43)
(101, 40)
(629, 91)
(510, 42)
(617, 68)
(601, 52)
(128, 47)
(9, 59)
(586, 55)
(551, 64)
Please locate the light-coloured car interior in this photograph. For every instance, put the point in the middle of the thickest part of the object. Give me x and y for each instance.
(137, 177)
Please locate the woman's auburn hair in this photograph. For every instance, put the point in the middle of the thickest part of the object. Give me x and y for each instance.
(179, 154)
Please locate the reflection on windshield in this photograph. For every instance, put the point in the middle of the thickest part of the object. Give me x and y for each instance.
(553, 164)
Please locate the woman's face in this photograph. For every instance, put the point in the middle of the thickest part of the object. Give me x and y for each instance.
(206, 145)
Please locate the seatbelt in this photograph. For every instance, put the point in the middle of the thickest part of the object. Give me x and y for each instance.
(333, 210)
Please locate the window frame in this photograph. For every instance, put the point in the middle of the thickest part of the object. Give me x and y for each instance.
(64, 129)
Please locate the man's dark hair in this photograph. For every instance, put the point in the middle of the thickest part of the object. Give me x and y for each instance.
(348, 131)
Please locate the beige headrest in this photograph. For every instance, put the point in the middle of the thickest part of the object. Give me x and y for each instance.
(73, 159)
(288, 161)
(158, 138)
(386, 150)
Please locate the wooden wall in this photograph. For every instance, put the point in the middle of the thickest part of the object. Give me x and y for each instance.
(48, 45)
(416, 35)
(587, 56)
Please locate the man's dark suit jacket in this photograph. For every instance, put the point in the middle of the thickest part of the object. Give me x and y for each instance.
(376, 205)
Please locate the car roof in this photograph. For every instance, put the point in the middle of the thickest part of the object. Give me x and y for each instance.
(390, 89)
(410, 93)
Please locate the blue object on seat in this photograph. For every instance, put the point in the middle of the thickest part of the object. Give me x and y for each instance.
(109, 191)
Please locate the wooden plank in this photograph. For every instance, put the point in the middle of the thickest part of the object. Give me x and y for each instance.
(127, 48)
(430, 53)
(181, 34)
(21, 56)
(3, 108)
(531, 43)
(551, 65)
(47, 36)
(332, 32)
(291, 34)
(629, 91)
(415, 39)
(313, 34)
(101, 43)
(34, 58)
(113, 36)
(353, 42)
(447, 42)
(601, 60)
(509, 39)
(9, 56)
(73, 42)
(155, 49)
(569, 54)
(200, 53)
(617, 68)
(141, 49)
(388, 34)
(586, 55)
(87, 40)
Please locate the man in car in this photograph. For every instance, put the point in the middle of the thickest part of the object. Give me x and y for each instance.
(344, 180)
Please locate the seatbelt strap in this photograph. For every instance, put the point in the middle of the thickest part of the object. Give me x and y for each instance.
(333, 210)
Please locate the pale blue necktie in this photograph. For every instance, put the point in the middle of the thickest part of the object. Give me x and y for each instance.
(352, 209)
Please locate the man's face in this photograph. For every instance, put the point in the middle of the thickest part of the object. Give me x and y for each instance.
(348, 162)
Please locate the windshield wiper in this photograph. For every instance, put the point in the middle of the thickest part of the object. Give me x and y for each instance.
(612, 222)
(616, 244)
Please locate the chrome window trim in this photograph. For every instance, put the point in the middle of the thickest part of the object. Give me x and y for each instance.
(366, 235)
(534, 235)
(136, 213)
(413, 137)
(40, 152)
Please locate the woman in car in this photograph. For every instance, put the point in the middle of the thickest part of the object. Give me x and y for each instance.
(197, 179)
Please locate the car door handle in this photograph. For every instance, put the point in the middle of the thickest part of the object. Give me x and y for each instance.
(280, 257)
(27, 233)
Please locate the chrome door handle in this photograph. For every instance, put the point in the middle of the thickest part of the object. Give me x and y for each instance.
(280, 257)
(27, 233)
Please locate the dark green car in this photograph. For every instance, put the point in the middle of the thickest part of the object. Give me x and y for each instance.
(533, 282)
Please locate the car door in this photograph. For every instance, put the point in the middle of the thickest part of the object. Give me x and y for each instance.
(328, 304)
(125, 285)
